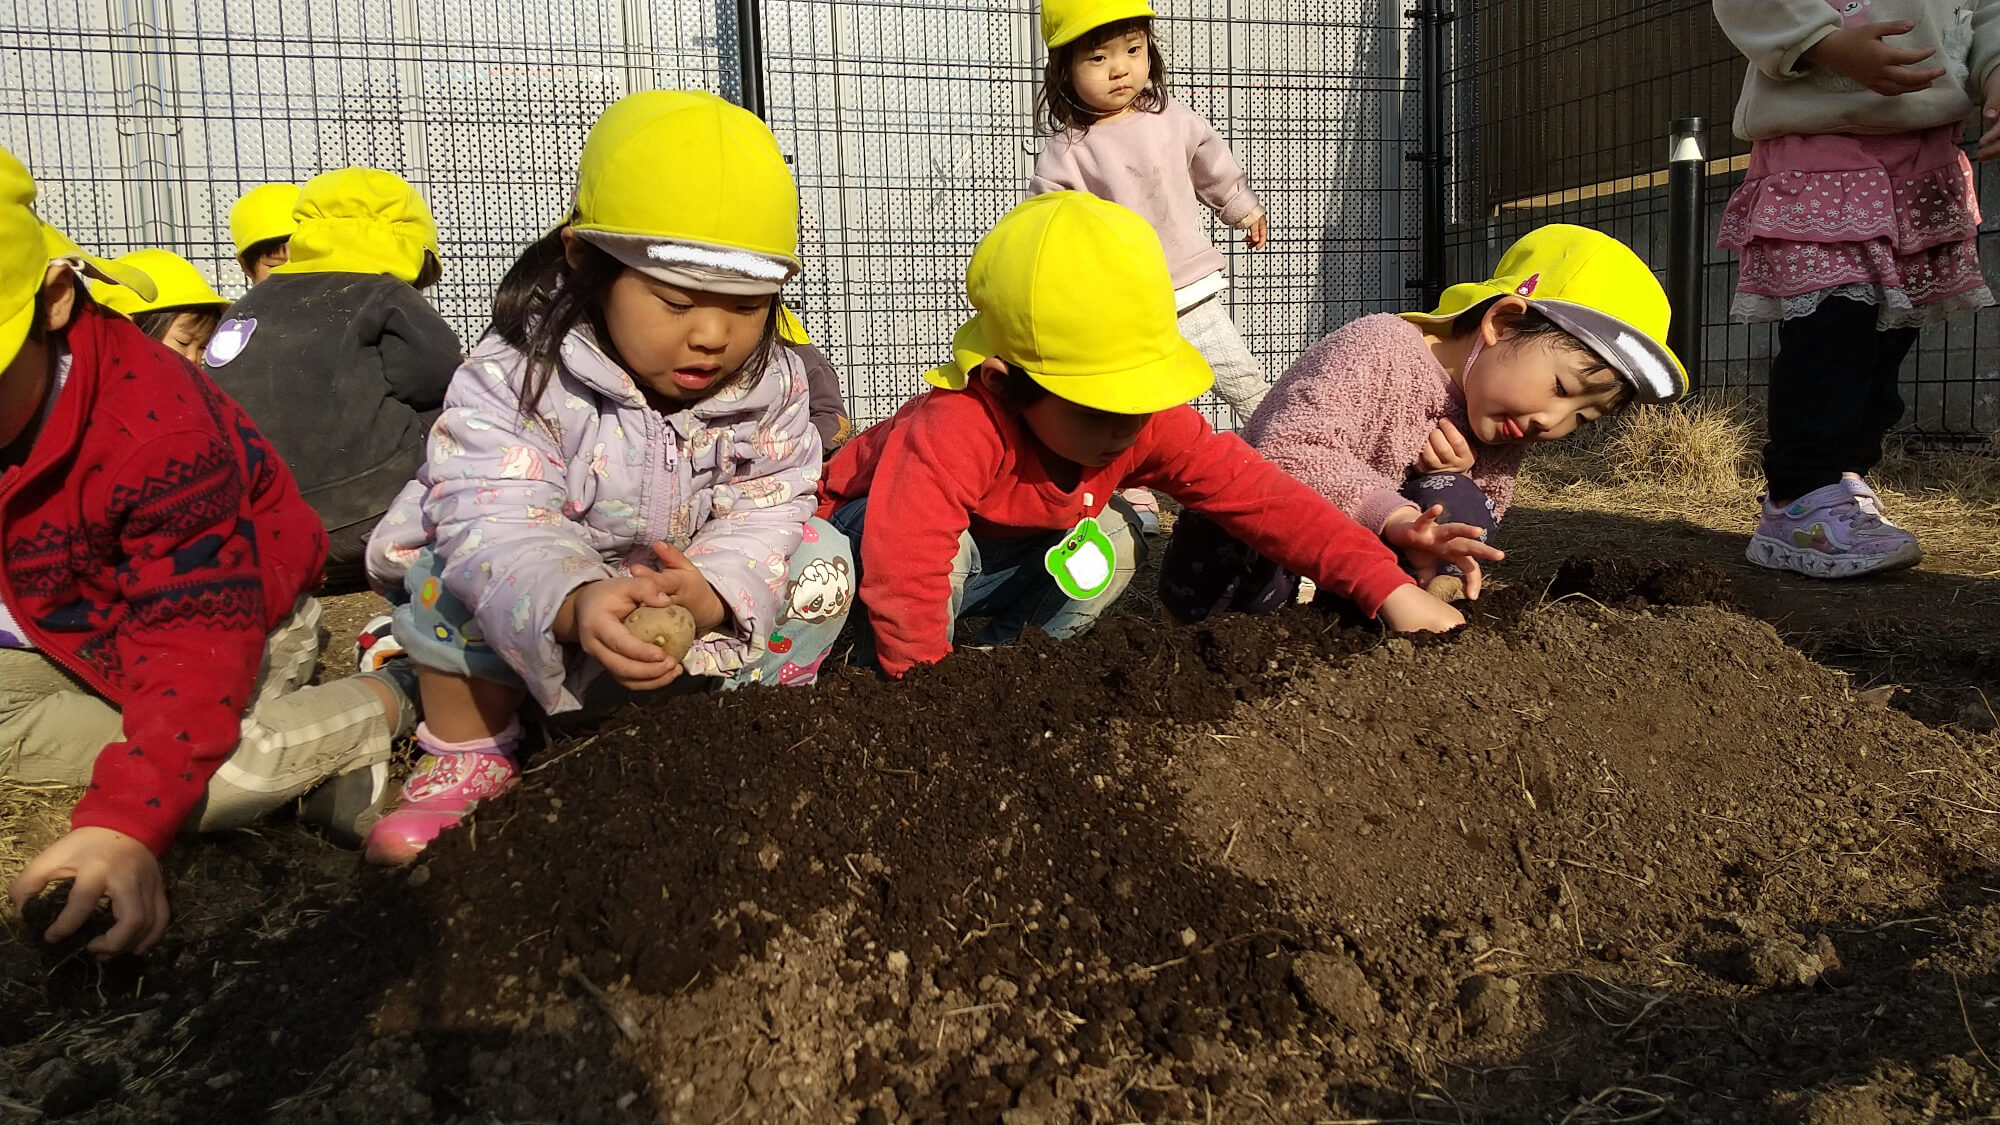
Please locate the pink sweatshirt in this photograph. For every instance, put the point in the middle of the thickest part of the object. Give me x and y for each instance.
(1351, 415)
(1159, 165)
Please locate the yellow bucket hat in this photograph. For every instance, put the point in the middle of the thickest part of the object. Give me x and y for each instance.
(180, 285)
(362, 220)
(1075, 291)
(24, 258)
(1593, 287)
(262, 214)
(687, 188)
(1065, 20)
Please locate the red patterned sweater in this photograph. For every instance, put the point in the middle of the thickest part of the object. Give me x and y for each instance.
(149, 544)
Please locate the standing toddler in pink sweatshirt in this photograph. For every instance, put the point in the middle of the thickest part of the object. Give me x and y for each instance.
(1415, 424)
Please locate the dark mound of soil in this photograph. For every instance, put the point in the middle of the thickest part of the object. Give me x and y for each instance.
(1575, 864)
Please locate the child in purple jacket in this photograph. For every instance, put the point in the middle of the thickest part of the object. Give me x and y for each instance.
(629, 433)
(1415, 424)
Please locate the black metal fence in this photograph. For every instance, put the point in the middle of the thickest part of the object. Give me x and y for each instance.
(1560, 112)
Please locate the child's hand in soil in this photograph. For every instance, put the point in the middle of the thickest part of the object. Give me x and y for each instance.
(686, 586)
(1860, 54)
(1445, 451)
(101, 863)
(1427, 545)
(1411, 610)
(593, 617)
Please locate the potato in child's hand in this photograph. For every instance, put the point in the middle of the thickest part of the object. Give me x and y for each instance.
(671, 627)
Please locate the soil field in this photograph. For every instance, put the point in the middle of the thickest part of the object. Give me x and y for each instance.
(1615, 853)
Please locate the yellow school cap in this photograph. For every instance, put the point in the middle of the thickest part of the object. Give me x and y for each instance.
(180, 285)
(687, 188)
(362, 220)
(1593, 287)
(1075, 291)
(262, 214)
(1064, 20)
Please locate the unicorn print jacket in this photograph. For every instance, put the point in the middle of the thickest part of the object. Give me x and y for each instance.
(522, 506)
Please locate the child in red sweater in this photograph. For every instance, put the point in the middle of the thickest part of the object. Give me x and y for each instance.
(985, 495)
(154, 617)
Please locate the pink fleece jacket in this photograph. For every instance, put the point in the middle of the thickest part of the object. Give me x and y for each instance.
(1351, 415)
(1164, 166)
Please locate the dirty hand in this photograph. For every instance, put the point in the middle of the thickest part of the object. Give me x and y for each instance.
(1445, 451)
(1411, 610)
(593, 617)
(686, 586)
(102, 863)
(1427, 544)
(1257, 233)
(1989, 139)
(1860, 54)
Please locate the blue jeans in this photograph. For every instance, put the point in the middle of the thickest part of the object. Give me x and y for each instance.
(1004, 579)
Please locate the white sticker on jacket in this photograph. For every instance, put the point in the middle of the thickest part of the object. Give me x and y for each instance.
(228, 341)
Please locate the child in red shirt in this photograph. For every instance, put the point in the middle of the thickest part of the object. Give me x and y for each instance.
(155, 622)
(988, 496)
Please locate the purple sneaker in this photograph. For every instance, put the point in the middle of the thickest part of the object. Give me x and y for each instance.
(1834, 532)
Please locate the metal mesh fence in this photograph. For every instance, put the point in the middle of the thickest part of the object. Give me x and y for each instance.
(1560, 114)
(911, 125)
(908, 123)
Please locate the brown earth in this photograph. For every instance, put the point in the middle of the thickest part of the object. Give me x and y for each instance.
(1622, 857)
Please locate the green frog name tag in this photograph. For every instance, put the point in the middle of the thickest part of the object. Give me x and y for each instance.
(1083, 562)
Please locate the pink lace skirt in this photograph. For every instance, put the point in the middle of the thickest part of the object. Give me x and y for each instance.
(1890, 220)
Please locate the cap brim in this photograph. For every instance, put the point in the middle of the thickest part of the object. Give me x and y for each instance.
(709, 268)
(1655, 373)
(62, 247)
(1181, 376)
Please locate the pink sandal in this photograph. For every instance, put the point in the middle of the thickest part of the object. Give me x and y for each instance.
(447, 786)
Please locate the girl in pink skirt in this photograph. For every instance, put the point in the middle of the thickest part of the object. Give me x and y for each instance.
(1857, 223)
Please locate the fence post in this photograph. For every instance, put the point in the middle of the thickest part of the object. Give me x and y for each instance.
(750, 56)
(1431, 18)
(1687, 243)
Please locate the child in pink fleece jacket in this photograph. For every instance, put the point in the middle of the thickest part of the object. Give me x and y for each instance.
(1415, 424)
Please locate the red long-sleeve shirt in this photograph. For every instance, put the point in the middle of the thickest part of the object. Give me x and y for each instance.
(151, 541)
(953, 460)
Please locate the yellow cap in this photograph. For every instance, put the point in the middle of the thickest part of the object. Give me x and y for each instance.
(1593, 287)
(362, 220)
(1075, 291)
(262, 214)
(180, 285)
(686, 187)
(24, 258)
(791, 329)
(1064, 20)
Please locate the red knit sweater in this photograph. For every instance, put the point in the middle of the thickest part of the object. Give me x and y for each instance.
(149, 544)
(953, 460)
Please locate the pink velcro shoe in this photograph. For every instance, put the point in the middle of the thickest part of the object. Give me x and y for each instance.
(442, 793)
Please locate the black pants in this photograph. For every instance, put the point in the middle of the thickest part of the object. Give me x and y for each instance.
(1834, 394)
(347, 556)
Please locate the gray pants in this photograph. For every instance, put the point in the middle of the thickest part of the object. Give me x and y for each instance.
(52, 727)
(1239, 380)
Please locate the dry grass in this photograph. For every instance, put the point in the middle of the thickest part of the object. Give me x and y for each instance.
(1698, 462)
(31, 817)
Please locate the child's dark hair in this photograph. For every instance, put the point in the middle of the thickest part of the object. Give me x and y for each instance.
(1057, 104)
(1018, 390)
(158, 322)
(1530, 326)
(544, 298)
(257, 250)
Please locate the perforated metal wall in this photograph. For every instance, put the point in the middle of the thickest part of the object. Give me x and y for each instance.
(908, 124)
